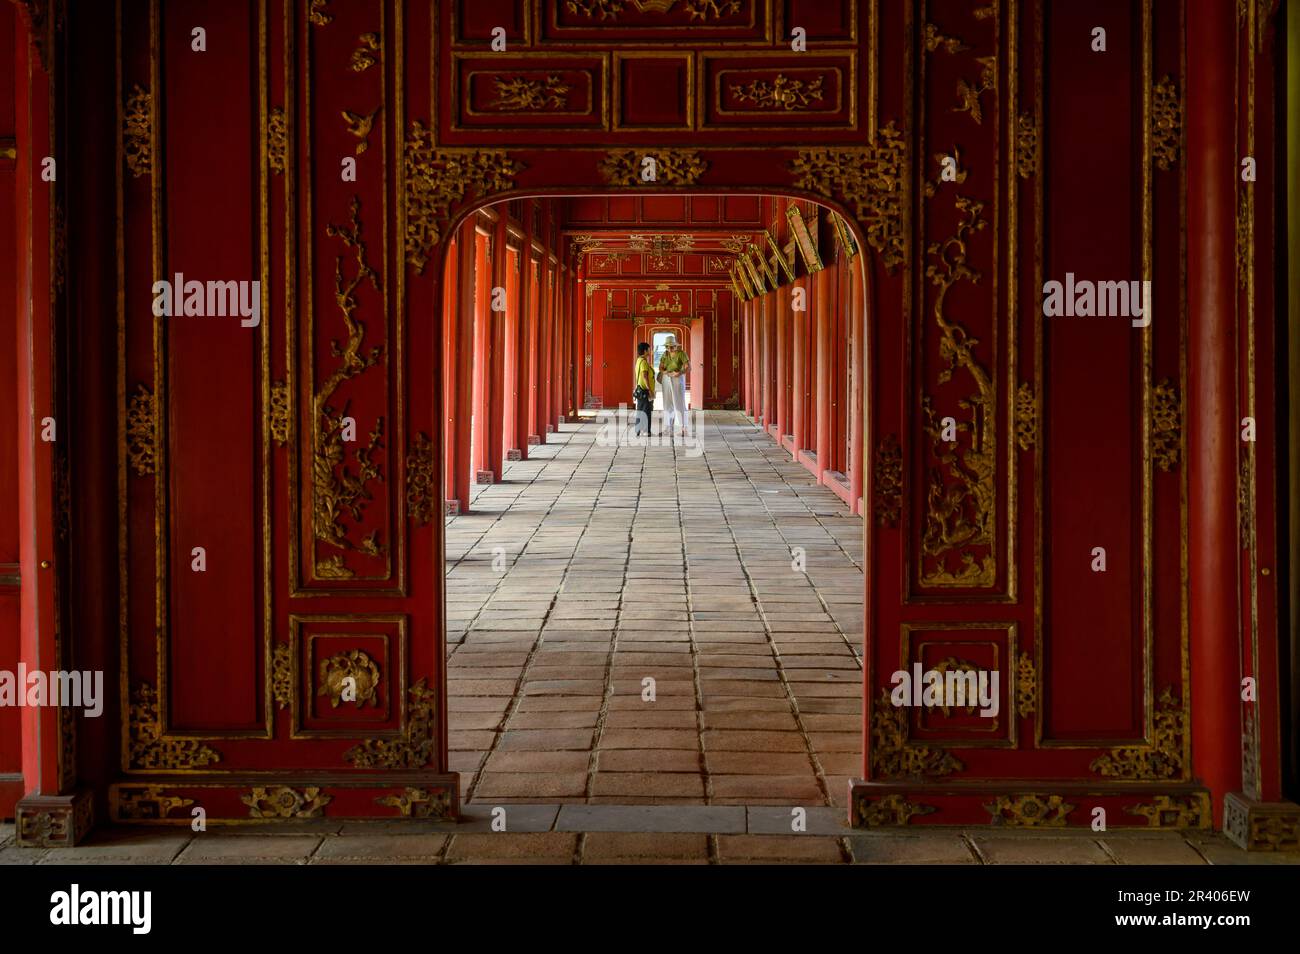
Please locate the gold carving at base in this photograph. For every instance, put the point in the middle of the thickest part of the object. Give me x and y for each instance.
(148, 749)
(420, 803)
(869, 180)
(137, 132)
(1166, 426)
(1261, 826)
(437, 180)
(893, 757)
(420, 483)
(416, 747)
(282, 674)
(1162, 759)
(1029, 811)
(1167, 811)
(672, 167)
(892, 810)
(888, 472)
(354, 665)
(146, 803)
(1166, 123)
(281, 801)
(141, 431)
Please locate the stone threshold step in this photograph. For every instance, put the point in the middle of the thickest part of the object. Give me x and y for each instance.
(694, 819)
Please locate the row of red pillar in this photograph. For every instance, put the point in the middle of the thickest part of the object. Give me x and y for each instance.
(510, 343)
(791, 380)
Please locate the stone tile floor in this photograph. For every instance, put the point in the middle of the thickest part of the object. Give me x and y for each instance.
(723, 572)
(546, 836)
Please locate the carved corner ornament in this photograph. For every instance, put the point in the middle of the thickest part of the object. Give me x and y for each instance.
(417, 744)
(1162, 759)
(890, 811)
(419, 803)
(1166, 123)
(437, 180)
(420, 484)
(1029, 811)
(141, 431)
(868, 179)
(144, 803)
(357, 666)
(893, 757)
(628, 167)
(149, 749)
(1168, 811)
(137, 131)
(1166, 426)
(281, 801)
(888, 472)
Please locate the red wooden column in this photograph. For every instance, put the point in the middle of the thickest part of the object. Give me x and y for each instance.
(52, 811)
(524, 341)
(511, 351)
(780, 319)
(800, 385)
(458, 362)
(746, 396)
(578, 304)
(494, 417)
(769, 363)
(857, 374)
(482, 367)
(1212, 428)
(824, 382)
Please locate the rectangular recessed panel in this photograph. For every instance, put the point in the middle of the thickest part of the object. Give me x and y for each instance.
(653, 91)
(664, 209)
(474, 20)
(608, 22)
(496, 91)
(823, 19)
(795, 89)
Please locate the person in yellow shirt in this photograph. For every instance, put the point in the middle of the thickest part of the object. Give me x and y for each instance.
(672, 375)
(643, 389)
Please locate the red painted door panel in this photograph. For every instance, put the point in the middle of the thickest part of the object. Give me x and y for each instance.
(619, 355)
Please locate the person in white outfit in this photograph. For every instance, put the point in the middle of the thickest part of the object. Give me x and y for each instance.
(673, 366)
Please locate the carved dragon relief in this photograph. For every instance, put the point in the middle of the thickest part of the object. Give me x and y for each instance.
(340, 491)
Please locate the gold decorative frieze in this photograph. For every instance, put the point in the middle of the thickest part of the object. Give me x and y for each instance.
(359, 125)
(1168, 811)
(1166, 123)
(420, 803)
(355, 665)
(341, 490)
(961, 496)
(418, 743)
(1162, 759)
(1029, 811)
(137, 131)
(420, 483)
(282, 674)
(888, 472)
(437, 180)
(694, 9)
(781, 93)
(277, 140)
(145, 803)
(892, 810)
(281, 801)
(317, 15)
(892, 756)
(1026, 685)
(522, 94)
(141, 431)
(969, 95)
(1026, 417)
(368, 53)
(1245, 234)
(1246, 498)
(1166, 425)
(867, 179)
(1026, 145)
(736, 244)
(671, 167)
(148, 749)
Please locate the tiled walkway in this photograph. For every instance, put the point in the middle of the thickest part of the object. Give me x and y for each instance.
(727, 576)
